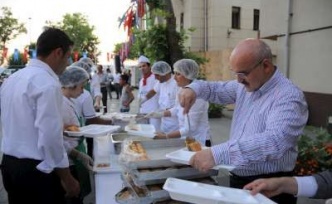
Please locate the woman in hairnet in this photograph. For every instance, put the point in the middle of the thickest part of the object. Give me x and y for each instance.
(73, 80)
(167, 90)
(185, 71)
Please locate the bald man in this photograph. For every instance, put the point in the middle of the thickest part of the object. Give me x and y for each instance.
(270, 114)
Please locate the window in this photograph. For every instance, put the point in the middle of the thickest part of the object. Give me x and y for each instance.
(236, 17)
(181, 20)
(256, 19)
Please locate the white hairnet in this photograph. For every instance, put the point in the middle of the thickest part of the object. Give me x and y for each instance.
(88, 61)
(143, 59)
(83, 65)
(187, 67)
(73, 76)
(161, 68)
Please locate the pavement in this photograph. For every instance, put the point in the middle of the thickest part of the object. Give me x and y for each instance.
(220, 128)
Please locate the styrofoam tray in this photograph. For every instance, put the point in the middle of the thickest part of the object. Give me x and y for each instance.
(194, 192)
(183, 156)
(120, 116)
(145, 130)
(94, 130)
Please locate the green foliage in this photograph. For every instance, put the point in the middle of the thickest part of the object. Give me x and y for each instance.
(19, 63)
(215, 110)
(153, 43)
(10, 27)
(315, 151)
(78, 29)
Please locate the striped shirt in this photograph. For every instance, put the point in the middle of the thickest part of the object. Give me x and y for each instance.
(266, 124)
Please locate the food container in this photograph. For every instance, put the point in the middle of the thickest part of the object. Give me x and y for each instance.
(94, 130)
(194, 192)
(144, 130)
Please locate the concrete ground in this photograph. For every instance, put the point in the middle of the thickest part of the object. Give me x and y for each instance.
(220, 128)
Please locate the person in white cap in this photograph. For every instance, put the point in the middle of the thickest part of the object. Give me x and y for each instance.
(146, 84)
(167, 89)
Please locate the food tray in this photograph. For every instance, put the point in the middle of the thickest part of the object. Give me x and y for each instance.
(118, 138)
(155, 176)
(156, 151)
(183, 156)
(119, 116)
(145, 130)
(194, 192)
(94, 130)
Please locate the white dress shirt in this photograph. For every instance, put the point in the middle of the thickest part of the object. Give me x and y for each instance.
(307, 186)
(31, 105)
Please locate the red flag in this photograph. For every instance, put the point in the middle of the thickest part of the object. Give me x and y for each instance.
(75, 56)
(4, 52)
(140, 8)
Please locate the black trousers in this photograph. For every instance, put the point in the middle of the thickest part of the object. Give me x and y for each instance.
(103, 91)
(241, 181)
(24, 183)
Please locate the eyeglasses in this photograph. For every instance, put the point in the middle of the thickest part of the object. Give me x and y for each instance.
(245, 74)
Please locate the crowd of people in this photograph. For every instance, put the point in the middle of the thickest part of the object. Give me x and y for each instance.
(42, 164)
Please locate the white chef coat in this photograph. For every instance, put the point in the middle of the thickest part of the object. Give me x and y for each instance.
(150, 105)
(31, 117)
(198, 118)
(70, 117)
(84, 105)
(167, 95)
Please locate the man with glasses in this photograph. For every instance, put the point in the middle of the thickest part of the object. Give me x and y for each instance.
(270, 114)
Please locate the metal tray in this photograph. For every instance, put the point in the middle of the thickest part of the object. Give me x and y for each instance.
(156, 150)
(155, 176)
(118, 138)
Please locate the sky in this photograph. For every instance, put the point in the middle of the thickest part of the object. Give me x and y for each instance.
(101, 14)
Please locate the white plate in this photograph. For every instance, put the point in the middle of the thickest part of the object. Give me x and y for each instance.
(119, 116)
(194, 192)
(145, 130)
(94, 130)
(183, 156)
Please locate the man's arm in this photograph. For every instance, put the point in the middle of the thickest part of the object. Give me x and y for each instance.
(324, 181)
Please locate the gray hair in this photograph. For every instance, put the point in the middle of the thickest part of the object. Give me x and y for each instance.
(161, 68)
(187, 67)
(73, 76)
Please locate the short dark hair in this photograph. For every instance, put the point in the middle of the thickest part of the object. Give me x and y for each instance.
(51, 39)
(124, 77)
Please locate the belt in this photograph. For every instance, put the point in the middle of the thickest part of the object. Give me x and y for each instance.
(251, 178)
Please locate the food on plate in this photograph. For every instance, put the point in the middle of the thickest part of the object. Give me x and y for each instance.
(124, 194)
(73, 128)
(154, 188)
(133, 151)
(103, 165)
(193, 145)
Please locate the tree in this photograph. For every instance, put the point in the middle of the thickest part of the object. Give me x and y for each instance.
(10, 27)
(78, 29)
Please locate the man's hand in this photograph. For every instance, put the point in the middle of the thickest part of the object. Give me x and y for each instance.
(187, 98)
(273, 186)
(155, 114)
(202, 160)
(160, 135)
(86, 160)
(142, 100)
(71, 186)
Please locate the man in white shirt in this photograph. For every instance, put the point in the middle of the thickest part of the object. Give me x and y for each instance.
(35, 162)
(146, 84)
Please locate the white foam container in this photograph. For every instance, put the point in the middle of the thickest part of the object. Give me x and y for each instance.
(183, 156)
(94, 130)
(194, 192)
(145, 130)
